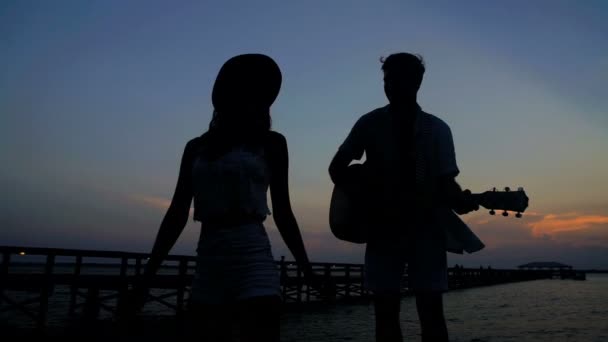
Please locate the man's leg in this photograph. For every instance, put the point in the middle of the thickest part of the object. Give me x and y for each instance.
(387, 309)
(384, 266)
(430, 314)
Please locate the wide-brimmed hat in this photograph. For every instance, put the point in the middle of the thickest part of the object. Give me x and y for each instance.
(248, 80)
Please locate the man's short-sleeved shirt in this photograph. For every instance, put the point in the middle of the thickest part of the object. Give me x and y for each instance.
(421, 242)
(391, 158)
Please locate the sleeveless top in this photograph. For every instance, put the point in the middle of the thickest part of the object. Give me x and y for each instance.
(231, 186)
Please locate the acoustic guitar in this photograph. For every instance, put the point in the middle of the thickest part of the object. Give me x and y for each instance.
(347, 222)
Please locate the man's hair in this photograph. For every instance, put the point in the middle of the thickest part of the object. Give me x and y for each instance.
(405, 62)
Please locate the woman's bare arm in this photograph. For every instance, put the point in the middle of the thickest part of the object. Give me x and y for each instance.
(177, 215)
(279, 193)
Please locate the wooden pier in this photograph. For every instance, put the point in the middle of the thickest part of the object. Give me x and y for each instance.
(96, 283)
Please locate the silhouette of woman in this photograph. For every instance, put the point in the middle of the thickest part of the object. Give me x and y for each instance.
(227, 172)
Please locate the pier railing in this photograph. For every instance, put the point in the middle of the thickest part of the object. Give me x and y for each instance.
(97, 283)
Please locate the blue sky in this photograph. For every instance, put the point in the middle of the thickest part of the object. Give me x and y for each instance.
(97, 100)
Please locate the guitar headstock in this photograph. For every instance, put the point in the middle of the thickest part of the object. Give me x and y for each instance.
(506, 200)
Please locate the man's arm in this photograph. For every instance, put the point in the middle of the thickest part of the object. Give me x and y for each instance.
(351, 149)
(453, 197)
(450, 192)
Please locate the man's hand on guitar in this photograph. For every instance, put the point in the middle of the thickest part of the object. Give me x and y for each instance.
(466, 203)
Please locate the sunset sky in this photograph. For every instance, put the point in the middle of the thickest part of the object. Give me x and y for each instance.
(98, 98)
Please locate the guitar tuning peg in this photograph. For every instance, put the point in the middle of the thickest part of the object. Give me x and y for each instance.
(518, 215)
(492, 212)
(520, 189)
(505, 213)
(494, 189)
(507, 189)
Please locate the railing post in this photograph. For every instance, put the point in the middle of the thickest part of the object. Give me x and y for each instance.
(92, 304)
(362, 280)
(299, 282)
(308, 289)
(123, 286)
(347, 281)
(138, 266)
(283, 276)
(74, 287)
(329, 288)
(183, 269)
(124, 266)
(6, 259)
(45, 292)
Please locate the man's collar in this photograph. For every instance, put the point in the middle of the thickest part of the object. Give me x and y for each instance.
(417, 120)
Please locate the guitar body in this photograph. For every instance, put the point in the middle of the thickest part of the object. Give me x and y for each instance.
(346, 219)
(349, 211)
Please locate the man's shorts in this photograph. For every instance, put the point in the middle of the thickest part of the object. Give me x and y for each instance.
(423, 259)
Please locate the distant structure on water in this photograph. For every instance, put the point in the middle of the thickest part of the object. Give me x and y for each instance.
(544, 265)
(560, 270)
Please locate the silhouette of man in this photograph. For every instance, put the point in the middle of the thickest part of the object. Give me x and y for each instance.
(402, 145)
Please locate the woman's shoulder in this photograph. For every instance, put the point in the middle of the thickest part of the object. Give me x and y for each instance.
(274, 137)
(200, 141)
(193, 146)
(274, 141)
(275, 147)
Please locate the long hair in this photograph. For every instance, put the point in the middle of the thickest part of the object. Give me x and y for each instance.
(241, 123)
(228, 129)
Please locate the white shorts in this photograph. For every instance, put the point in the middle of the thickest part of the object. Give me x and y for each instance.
(234, 263)
(388, 259)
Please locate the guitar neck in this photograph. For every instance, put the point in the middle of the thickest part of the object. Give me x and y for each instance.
(478, 198)
(503, 200)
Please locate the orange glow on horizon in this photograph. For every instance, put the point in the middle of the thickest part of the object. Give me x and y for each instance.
(154, 202)
(553, 223)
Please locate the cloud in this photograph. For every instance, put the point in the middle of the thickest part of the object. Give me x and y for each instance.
(573, 238)
(571, 228)
(552, 224)
(151, 201)
(594, 235)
